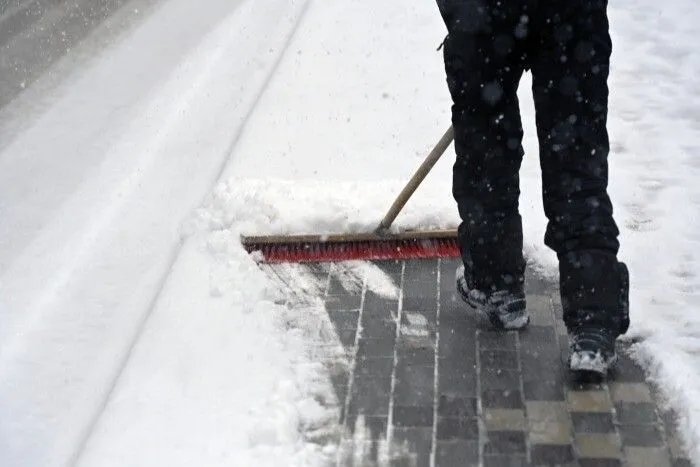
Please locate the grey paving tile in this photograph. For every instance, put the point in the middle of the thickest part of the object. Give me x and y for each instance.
(415, 385)
(385, 330)
(587, 462)
(502, 399)
(552, 454)
(376, 366)
(377, 304)
(344, 319)
(458, 382)
(457, 343)
(504, 442)
(375, 348)
(392, 268)
(457, 453)
(636, 413)
(641, 435)
(416, 355)
(498, 359)
(497, 340)
(412, 416)
(414, 444)
(343, 303)
(457, 428)
(457, 407)
(496, 378)
(592, 422)
(346, 337)
(421, 270)
(543, 390)
(369, 396)
(505, 461)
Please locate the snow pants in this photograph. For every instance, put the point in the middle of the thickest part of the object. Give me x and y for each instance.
(566, 45)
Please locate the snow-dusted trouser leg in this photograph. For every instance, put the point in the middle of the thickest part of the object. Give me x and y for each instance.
(570, 67)
(484, 61)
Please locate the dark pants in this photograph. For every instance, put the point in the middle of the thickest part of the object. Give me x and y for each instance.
(567, 47)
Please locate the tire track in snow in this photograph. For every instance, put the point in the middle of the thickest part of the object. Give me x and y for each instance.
(178, 248)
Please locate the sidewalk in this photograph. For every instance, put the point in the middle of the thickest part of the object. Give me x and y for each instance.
(443, 389)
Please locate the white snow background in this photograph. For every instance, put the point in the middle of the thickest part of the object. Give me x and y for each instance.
(134, 329)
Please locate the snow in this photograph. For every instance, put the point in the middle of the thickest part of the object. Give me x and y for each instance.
(134, 330)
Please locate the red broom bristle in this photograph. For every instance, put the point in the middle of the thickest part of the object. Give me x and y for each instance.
(360, 250)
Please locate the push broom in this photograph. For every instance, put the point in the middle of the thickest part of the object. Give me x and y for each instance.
(381, 244)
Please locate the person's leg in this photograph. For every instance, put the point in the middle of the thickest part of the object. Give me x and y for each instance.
(484, 58)
(570, 72)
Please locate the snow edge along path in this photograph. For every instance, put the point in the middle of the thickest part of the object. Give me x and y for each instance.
(85, 328)
(215, 308)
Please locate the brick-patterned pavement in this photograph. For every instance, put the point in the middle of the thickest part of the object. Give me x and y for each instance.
(428, 383)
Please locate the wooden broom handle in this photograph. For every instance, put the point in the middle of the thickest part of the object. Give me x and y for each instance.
(416, 180)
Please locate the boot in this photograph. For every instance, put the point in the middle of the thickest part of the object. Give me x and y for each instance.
(505, 309)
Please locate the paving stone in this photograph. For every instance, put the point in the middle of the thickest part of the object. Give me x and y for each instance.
(413, 444)
(415, 385)
(543, 390)
(626, 369)
(589, 401)
(456, 380)
(630, 392)
(421, 270)
(547, 411)
(375, 348)
(415, 355)
(598, 445)
(635, 413)
(584, 462)
(427, 306)
(457, 407)
(495, 378)
(592, 422)
(552, 454)
(499, 359)
(647, 457)
(502, 399)
(344, 319)
(456, 453)
(392, 268)
(375, 366)
(457, 428)
(457, 344)
(497, 340)
(412, 416)
(504, 420)
(540, 309)
(343, 303)
(549, 432)
(375, 302)
(408, 341)
(505, 442)
(641, 435)
(347, 337)
(505, 461)
(370, 396)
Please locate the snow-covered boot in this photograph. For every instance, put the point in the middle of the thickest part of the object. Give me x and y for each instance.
(506, 309)
(592, 349)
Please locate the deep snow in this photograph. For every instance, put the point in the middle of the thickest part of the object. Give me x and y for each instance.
(135, 328)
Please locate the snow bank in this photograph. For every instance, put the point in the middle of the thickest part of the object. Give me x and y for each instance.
(93, 194)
